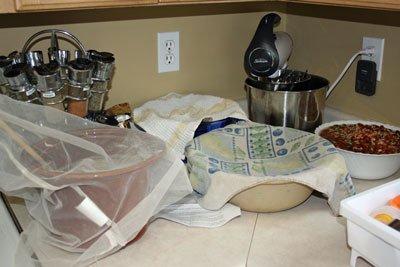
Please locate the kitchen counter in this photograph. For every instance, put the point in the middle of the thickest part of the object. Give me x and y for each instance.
(307, 235)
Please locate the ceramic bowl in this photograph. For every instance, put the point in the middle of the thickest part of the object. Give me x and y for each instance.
(260, 168)
(272, 197)
(367, 166)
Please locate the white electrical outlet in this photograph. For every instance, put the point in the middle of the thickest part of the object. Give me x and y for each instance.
(378, 43)
(168, 51)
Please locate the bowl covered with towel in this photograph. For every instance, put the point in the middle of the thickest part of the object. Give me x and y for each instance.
(263, 168)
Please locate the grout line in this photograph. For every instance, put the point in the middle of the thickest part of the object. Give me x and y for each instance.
(251, 242)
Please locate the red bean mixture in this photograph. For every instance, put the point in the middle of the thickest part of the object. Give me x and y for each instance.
(369, 139)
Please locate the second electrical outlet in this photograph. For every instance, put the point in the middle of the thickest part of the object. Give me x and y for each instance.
(168, 51)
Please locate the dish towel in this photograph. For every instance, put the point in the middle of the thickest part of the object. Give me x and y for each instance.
(174, 117)
(227, 161)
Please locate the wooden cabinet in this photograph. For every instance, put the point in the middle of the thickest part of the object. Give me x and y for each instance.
(7, 6)
(207, 1)
(10, 6)
(31, 5)
(377, 4)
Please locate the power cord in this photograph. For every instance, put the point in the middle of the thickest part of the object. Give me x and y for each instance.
(370, 51)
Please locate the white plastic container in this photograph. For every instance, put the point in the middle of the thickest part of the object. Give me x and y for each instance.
(369, 238)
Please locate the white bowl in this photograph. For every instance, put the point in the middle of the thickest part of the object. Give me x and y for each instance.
(367, 166)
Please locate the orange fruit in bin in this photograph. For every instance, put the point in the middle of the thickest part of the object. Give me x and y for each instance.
(395, 202)
(384, 217)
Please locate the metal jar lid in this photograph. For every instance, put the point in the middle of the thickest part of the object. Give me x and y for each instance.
(48, 76)
(61, 56)
(80, 72)
(17, 75)
(103, 64)
(34, 58)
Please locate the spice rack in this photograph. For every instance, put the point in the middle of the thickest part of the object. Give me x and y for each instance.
(78, 86)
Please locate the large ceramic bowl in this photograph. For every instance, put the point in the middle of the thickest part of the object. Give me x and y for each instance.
(272, 196)
(367, 166)
(261, 168)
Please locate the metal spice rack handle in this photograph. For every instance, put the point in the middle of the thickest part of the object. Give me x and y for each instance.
(54, 42)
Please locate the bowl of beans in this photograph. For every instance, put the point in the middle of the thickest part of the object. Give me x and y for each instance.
(371, 149)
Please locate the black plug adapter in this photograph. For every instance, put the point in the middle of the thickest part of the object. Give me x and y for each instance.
(366, 77)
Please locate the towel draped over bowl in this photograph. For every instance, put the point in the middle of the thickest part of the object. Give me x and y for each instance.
(226, 161)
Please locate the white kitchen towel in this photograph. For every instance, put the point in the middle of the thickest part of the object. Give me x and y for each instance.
(227, 161)
(175, 117)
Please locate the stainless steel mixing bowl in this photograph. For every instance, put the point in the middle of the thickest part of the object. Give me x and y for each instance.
(299, 106)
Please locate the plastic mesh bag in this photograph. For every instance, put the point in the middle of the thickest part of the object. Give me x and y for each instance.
(90, 188)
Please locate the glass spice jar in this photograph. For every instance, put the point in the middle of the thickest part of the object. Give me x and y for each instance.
(78, 92)
(77, 107)
(26, 93)
(98, 91)
(96, 101)
(49, 84)
(53, 98)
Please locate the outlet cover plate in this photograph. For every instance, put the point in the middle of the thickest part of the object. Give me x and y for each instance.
(168, 51)
(378, 43)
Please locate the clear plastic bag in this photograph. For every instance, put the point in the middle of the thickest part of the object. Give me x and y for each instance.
(90, 188)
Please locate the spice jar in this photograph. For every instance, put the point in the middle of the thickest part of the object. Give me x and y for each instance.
(96, 101)
(98, 90)
(50, 85)
(34, 58)
(78, 92)
(80, 73)
(78, 100)
(19, 86)
(53, 98)
(78, 107)
(103, 64)
(26, 93)
(62, 57)
(17, 75)
(102, 72)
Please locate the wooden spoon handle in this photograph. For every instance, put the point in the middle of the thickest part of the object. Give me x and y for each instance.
(20, 141)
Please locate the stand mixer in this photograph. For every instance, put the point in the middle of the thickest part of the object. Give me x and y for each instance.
(275, 94)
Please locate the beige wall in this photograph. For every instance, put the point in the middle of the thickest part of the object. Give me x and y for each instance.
(213, 41)
(327, 37)
(212, 46)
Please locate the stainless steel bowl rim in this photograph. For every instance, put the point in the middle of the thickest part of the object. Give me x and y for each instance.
(260, 85)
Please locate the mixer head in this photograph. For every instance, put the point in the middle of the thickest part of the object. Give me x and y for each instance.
(268, 52)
